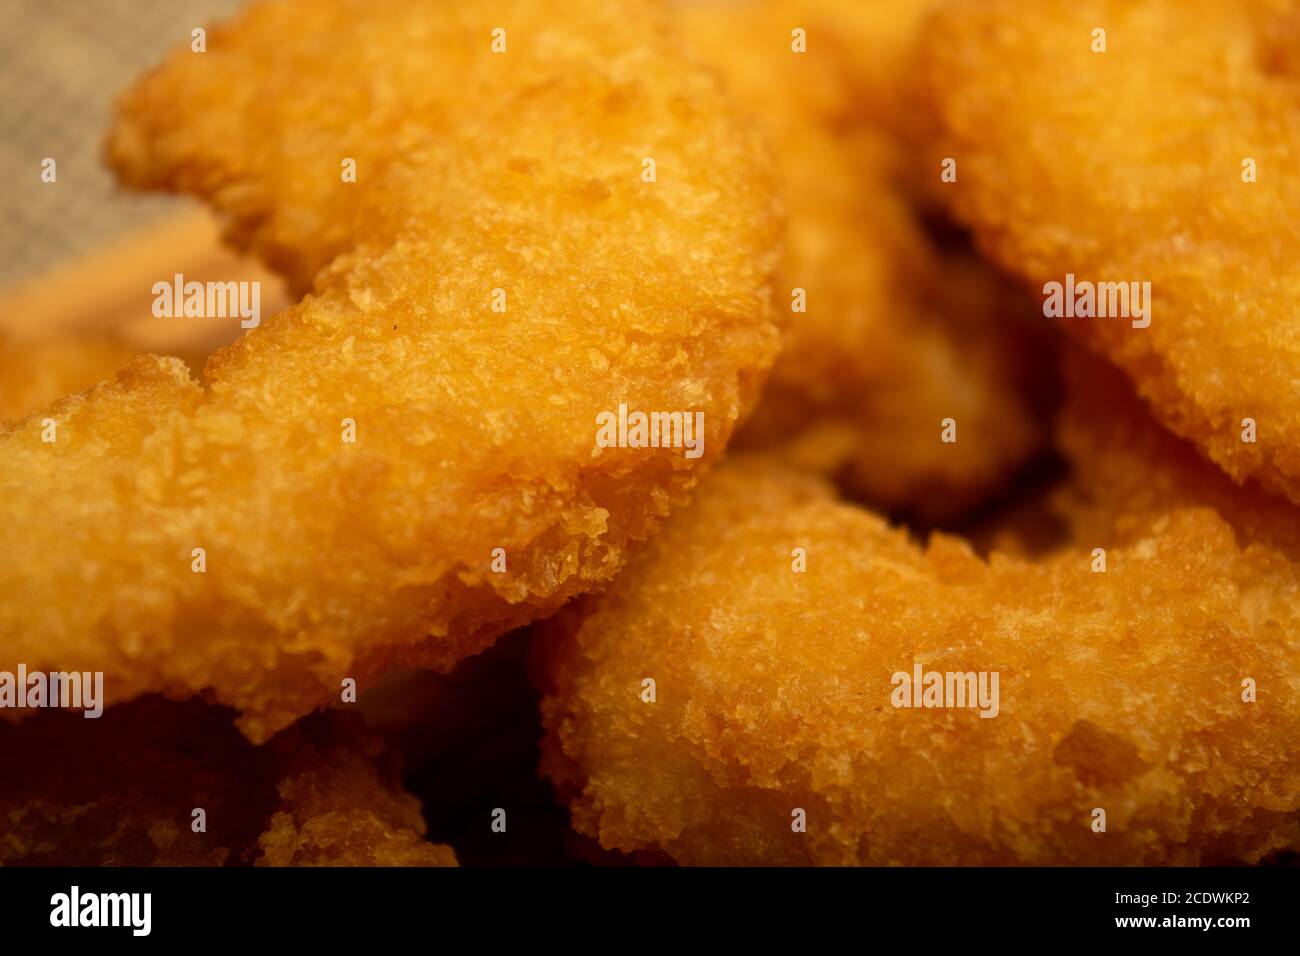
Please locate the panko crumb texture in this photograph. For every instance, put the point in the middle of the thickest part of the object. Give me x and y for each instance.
(501, 219)
(1168, 159)
(475, 430)
(892, 336)
(1120, 691)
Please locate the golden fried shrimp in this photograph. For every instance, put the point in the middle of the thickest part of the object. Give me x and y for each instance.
(409, 462)
(780, 728)
(1147, 144)
(122, 790)
(34, 374)
(890, 337)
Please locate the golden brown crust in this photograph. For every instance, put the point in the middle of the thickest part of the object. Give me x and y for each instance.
(1129, 166)
(896, 336)
(1127, 473)
(475, 430)
(1119, 690)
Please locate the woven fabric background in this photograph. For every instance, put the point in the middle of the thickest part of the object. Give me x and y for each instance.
(62, 64)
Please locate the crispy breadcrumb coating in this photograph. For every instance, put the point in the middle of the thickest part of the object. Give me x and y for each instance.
(1125, 474)
(1120, 691)
(1128, 473)
(475, 430)
(121, 790)
(896, 336)
(34, 374)
(1131, 165)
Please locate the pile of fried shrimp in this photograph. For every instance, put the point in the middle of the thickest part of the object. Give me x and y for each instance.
(839, 432)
